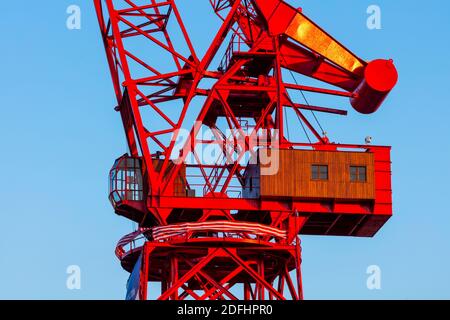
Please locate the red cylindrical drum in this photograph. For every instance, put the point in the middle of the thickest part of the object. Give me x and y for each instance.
(380, 77)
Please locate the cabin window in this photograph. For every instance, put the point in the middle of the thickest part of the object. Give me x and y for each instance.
(358, 174)
(319, 172)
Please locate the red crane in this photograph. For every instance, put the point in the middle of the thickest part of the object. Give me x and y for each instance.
(221, 205)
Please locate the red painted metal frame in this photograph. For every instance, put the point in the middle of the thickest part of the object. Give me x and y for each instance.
(192, 271)
(253, 68)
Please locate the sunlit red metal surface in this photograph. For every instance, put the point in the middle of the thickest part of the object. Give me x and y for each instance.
(162, 85)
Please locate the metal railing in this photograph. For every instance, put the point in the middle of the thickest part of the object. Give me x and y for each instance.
(237, 44)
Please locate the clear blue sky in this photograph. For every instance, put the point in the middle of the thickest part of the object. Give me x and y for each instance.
(60, 135)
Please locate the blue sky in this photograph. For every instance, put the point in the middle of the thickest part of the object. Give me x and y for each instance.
(60, 136)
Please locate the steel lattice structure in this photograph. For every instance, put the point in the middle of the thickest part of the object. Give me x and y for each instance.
(204, 228)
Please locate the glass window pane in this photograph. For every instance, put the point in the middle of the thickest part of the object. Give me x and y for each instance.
(362, 174)
(324, 171)
(319, 172)
(315, 172)
(358, 174)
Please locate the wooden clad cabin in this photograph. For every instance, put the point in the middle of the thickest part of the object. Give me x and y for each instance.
(312, 174)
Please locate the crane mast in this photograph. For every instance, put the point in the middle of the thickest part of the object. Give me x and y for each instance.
(219, 187)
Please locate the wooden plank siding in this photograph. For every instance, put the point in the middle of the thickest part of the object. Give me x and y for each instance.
(294, 176)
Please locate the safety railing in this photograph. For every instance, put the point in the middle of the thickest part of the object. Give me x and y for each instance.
(237, 44)
(207, 231)
(217, 183)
